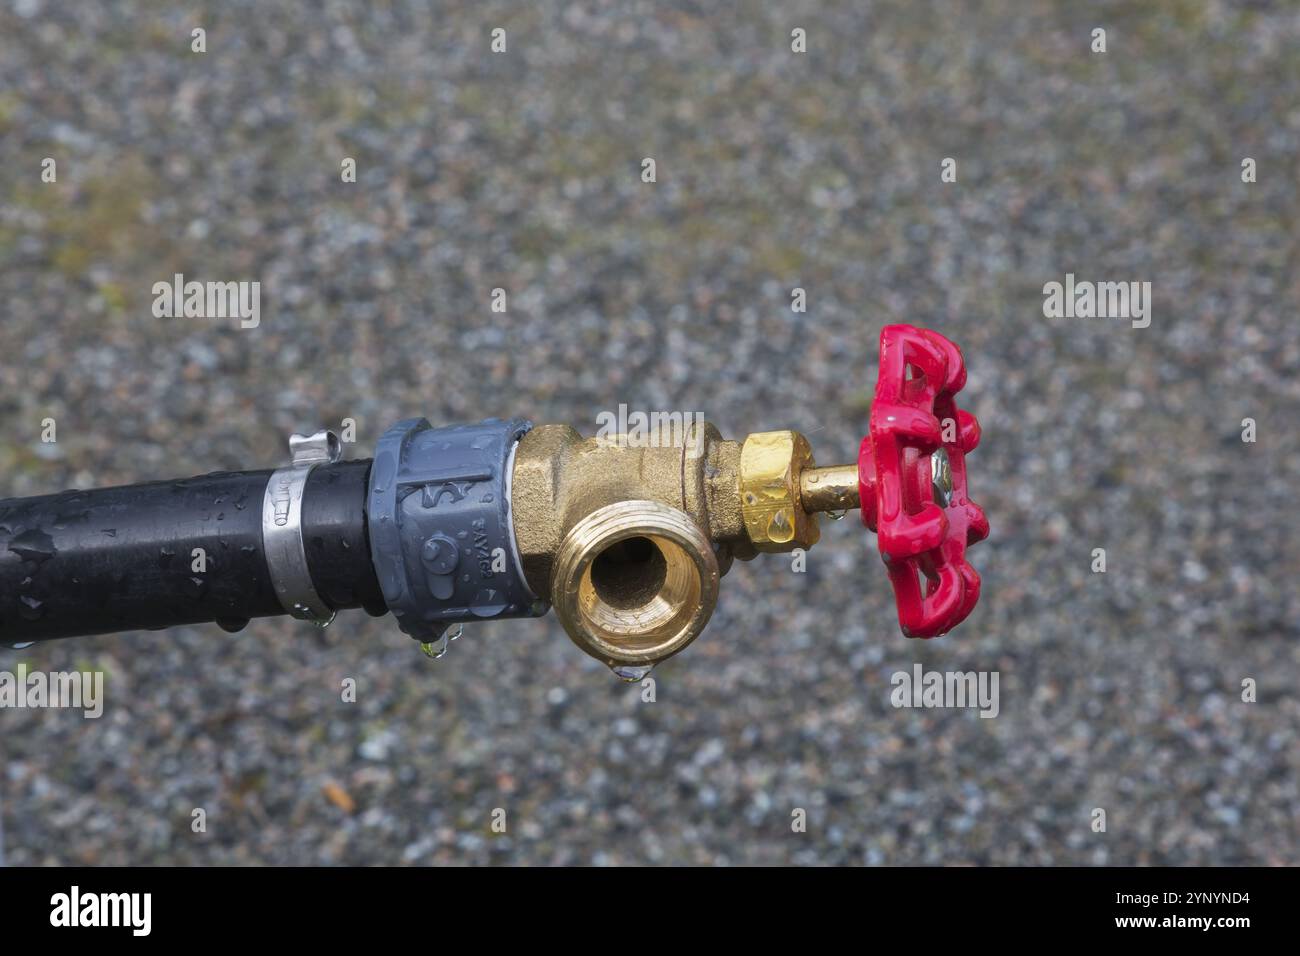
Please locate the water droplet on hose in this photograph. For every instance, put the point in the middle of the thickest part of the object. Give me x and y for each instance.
(33, 545)
(30, 608)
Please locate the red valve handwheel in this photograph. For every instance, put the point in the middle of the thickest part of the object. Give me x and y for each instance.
(914, 417)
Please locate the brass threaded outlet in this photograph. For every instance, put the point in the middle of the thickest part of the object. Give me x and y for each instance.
(770, 465)
(635, 582)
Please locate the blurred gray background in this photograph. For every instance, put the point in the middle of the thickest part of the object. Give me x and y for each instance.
(775, 170)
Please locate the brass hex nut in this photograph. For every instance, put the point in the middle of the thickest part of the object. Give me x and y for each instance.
(770, 463)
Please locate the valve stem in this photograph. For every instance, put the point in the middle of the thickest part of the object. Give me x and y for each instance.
(834, 488)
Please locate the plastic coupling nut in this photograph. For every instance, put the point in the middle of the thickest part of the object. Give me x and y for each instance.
(441, 534)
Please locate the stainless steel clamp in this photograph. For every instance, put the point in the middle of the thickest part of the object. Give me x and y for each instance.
(286, 558)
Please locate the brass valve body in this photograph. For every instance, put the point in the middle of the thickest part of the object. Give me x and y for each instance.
(627, 536)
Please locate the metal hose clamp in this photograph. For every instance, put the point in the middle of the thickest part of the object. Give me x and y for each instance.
(286, 558)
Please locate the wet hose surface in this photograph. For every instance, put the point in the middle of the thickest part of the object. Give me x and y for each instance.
(173, 552)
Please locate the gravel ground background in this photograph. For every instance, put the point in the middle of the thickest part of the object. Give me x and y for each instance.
(522, 171)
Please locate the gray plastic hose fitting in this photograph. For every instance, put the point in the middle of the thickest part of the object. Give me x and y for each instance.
(441, 534)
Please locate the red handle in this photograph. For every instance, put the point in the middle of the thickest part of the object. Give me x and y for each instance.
(915, 422)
